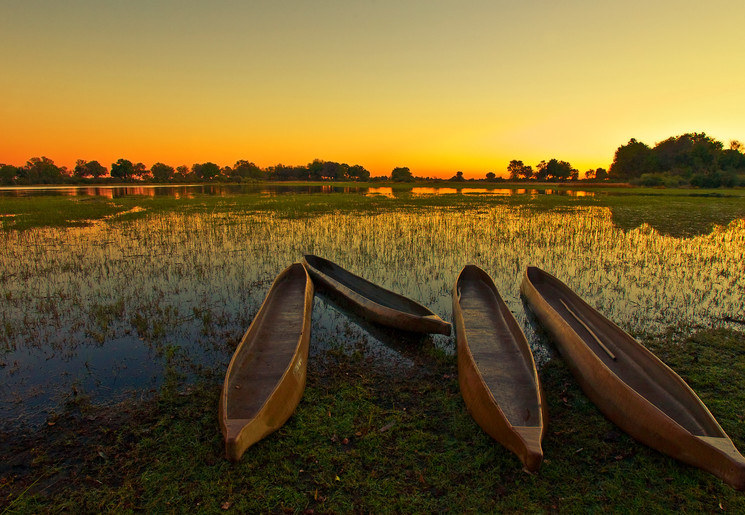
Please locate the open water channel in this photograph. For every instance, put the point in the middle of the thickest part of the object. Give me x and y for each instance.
(103, 310)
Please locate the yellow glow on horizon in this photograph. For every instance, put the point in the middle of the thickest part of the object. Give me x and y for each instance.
(438, 88)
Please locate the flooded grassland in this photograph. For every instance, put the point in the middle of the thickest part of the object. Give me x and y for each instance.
(103, 305)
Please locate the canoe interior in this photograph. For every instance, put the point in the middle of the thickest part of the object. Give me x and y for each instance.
(365, 288)
(634, 364)
(273, 343)
(499, 349)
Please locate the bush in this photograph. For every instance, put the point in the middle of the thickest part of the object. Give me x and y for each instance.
(719, 179)
(650, 180)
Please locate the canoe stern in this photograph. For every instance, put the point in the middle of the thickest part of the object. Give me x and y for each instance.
(532, 452)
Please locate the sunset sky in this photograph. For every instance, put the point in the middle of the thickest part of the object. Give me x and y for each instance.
(438, 86)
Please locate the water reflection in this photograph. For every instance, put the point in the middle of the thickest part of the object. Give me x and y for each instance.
(268, 189)
(676, 216)
(383, 191)
(103, 309)
(483, 191)
(177, 190)
(433, 191)
(405, 344)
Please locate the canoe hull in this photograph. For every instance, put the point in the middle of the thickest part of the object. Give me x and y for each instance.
(622, 386)
(497, 377)
(266, 375)
(371, 301)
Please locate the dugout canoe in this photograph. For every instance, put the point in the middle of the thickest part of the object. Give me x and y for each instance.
(629, 384)
(371, 301)
(266, 376)
(496, 369)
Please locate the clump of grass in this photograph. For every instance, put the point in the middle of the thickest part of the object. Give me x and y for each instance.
(104, 314)
(54, 211)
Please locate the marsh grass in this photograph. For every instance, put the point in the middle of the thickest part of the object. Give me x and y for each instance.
(366, 439)
(175, 282)
(95, 301)
(20, 213)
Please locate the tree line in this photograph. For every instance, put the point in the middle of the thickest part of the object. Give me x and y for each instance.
(693, 159)
(551, 170)
(42, 170)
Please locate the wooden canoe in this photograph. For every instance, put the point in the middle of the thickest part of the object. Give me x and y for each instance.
(496, 370)
(629, 384)
(266, 376)
(372, 302)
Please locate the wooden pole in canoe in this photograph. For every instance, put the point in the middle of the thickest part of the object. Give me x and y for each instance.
(592, 333)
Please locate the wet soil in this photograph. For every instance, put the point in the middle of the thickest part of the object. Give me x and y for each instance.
(74, 447)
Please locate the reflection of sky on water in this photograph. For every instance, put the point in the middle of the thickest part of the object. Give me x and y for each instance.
(503, 192)
(190, 191)
(433, 191)
(384, 191)
(175, 190)
(102, 308)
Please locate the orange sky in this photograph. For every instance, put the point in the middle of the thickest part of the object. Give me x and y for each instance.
(437, 86)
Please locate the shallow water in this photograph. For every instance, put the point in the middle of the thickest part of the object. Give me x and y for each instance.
(190, 190)
(105, 309)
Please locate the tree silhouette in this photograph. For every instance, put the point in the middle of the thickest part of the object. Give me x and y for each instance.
(401, 174)
(519, 170)
(632, 160)
(122, 169)
(162, 172)
(205, 171)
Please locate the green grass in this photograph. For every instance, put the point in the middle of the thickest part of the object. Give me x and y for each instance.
(368, 438)
(52, 211)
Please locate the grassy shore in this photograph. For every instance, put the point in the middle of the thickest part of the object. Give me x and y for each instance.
(368, 437)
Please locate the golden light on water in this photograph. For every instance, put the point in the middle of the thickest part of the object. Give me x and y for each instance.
(640, 278)
(103, 304)
(383, 191)
(421, 191)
